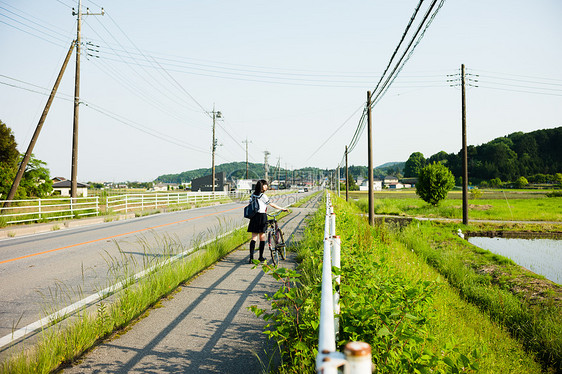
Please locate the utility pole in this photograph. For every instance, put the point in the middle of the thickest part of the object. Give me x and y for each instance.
(74, 170)
(27, 156)
(370, 161)
(266, 165)
(247, 142)
(216, 114)
(464, 153)
(338, 179)
(346, 177)
(278, 168)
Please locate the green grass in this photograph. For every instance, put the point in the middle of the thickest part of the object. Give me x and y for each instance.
(528, 306)
(62, 344)
(493, 205)
(413, 318)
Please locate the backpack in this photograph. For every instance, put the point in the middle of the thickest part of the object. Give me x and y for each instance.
(251, 209)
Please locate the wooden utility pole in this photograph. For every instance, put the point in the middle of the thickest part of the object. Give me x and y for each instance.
(216, 114)
(464, 153)
(338, 180)
(74, 169)
(346, 177)
(266, 165)
(27, 156)
(370, 161)
(278, 168)
(247, 168)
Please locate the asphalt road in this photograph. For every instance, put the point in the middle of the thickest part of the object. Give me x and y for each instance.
(42, 273)
(204, 328)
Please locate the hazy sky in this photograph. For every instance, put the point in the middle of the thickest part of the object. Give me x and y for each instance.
(285, 75)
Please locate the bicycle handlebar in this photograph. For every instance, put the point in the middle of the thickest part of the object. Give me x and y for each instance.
(275, 214)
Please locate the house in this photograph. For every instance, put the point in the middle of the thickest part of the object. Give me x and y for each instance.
(63, 188)
(377, 185)
(395, 186)
(246, 184)
(389, 179)
(58, 179)
(159, 187)
(205, 184)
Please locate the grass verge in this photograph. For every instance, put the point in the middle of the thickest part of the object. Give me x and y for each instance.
(61, 345)
(529, 306)
(513, 206)
(392, 299)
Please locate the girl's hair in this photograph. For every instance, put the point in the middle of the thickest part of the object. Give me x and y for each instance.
(259, 186)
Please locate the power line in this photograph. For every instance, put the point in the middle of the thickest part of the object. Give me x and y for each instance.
(110, 114)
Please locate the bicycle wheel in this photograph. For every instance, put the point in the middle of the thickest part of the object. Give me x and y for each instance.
(281, 247)
(273, 248)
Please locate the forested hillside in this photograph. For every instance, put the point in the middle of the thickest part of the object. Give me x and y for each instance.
(532, 155)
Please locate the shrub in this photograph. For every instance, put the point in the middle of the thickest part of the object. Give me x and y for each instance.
(434, 183)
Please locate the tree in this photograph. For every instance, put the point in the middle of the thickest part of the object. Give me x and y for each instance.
(415, 163)
(434, 183)
(558, 179)
(8, 158)
(521, 182)
(36, 181)
(496, 182)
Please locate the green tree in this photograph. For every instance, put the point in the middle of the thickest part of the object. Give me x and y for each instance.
(36, 181)
(434, 183)
(521, 182)
(558, 179)
(8, 158)
(496, 182)
(415, 163)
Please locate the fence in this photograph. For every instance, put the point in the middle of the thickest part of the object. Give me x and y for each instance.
(128, 202)
(356, 358)
(33, 210)
(36, 210)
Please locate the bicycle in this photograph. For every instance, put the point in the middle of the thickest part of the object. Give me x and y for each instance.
(275, 240)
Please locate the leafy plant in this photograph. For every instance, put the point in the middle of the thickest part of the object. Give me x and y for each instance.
(434, 183)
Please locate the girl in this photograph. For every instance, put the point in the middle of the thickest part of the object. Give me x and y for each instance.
(258, 223)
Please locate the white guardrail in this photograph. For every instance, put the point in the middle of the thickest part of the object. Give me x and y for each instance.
(37, 210)
(124, 203)
(356, 358)
(32, 210)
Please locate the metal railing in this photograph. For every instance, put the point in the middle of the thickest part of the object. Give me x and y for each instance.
(356, 358)
(33, 210)
(135, 202)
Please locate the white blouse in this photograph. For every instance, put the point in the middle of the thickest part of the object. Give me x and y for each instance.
(263, 202)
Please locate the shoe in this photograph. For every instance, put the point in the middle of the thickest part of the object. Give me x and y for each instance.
(261, 259)
(251, 261)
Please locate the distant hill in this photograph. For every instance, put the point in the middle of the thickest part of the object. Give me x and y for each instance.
(533, 155)
(237, 170)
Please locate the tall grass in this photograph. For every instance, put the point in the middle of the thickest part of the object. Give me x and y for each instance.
(413, 319)
(63, 343)
(539, 209)
(535, 323)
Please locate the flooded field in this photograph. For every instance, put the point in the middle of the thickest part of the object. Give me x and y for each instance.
(541, 256)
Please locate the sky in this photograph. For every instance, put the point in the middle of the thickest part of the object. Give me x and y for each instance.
(289, 77)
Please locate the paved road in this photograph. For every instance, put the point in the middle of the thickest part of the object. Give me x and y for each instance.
(58, 268)
(205, 328)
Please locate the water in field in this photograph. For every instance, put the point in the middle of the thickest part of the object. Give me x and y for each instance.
(541, 256)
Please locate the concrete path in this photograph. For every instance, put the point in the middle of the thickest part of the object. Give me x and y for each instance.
(204, 328)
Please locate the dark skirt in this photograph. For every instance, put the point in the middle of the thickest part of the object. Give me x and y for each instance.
(258, 223)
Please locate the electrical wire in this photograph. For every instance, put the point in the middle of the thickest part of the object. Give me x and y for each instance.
(45, 92)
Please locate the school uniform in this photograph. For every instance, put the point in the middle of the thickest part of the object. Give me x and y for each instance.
(258, 223)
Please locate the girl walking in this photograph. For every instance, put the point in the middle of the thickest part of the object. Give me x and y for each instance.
(258, 223)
